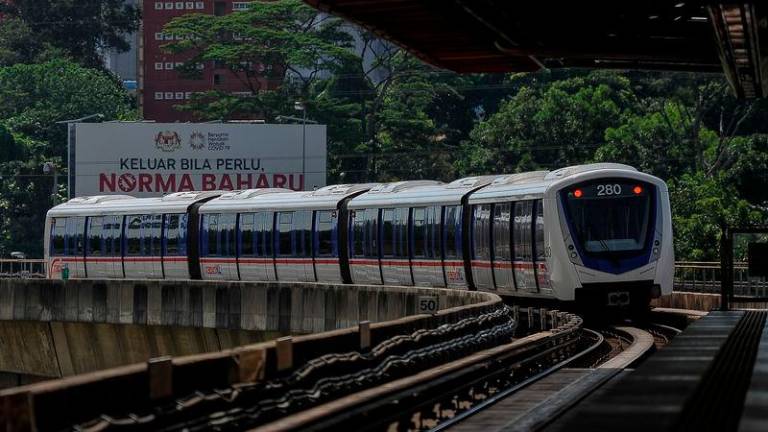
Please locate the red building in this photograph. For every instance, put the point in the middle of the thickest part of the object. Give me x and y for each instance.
(160, 86)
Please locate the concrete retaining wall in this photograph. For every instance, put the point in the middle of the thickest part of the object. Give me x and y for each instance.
(52, 328)
(36, 350)
(281, 307)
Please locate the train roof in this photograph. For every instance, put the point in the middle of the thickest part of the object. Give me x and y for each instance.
(327, 197)
(532, 185)
(178, 202)
(421, 192)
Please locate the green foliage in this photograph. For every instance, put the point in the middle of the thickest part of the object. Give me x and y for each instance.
(549, 125)
(262, 48)
(79, 29)
(34, 97)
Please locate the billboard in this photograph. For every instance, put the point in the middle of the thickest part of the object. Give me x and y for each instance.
(153, 159)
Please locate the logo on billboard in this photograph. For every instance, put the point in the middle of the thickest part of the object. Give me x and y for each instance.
(168, 141)
(197, 140)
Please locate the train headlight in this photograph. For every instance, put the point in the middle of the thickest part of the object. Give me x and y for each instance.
(655, 251)
(574, 255)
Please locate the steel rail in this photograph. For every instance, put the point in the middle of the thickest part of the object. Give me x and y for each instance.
(377, 407)
(599, 339)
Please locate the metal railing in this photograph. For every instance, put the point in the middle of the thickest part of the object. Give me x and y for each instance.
(22, 268)
(690, 276)
(706, 277)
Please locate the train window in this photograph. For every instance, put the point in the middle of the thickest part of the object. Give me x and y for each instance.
(539, 227)
(387, 226)
(264, 242)
(419, 232)
(113, 235)
(96, 243)
(326, 233)
(302, 225)
(365, 233)
(501, 232)
(227, 224)
(210, 235)
(285, 233)
(522, 232)
(481, 237)
(452, 232)
(433, 232)
(247, 236)
(133, 235)
(58, 235)
(175, 234)
(151, 230)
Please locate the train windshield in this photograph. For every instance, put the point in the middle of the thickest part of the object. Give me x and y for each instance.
(609, 216)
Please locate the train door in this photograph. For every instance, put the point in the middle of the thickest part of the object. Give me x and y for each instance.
(293, 260)
(364, 246)
(395, 265)
(68, 247)
(152, 231)
(525, 275)
(57, 248)
(453, 254)
(502, 251)
(133, 261)
(326, 246)
(175, 257)
(425, 246)
(255, 259)
(113, 240)
(482, 273)
(97, 262)
(542, 271)
(218, 260)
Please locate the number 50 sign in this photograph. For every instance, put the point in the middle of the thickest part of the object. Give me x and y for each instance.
(428, 304)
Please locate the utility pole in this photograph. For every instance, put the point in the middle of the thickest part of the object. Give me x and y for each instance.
(300, 106)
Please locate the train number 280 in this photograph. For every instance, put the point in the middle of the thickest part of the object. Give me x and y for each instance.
(608, 189)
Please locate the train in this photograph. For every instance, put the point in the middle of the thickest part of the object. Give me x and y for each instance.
(596, 234)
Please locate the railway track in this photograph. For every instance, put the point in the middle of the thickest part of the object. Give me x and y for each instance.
(434, 397)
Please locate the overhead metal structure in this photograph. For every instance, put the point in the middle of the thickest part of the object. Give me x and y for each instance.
(508, 36)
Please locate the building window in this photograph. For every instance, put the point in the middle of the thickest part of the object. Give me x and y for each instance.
(158, 95)
(180, 5)
(159, 36)
(199, 5)
(179, 64)
(169, 66)
(240, 6)
(158, 66)
(219, 8)
(158, 5)
(190, 5)
(168, 95)
(200, 66)
(188, 95)
(180, 95)
(169, 37)
(217, 79)
(169, 5)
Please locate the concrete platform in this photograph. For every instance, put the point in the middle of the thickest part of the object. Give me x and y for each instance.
(703, 380)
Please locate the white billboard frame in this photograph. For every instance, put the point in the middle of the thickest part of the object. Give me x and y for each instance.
(152, 159)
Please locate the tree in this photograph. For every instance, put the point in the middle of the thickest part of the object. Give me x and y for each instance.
(549, 124)
(82, 29)
(34, 97)
(274, 49)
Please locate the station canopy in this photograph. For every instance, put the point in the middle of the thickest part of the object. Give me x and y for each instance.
(469, 36)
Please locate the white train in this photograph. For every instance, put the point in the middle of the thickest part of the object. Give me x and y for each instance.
(599, 234)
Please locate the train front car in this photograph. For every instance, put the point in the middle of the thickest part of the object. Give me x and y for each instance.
(611, 236)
